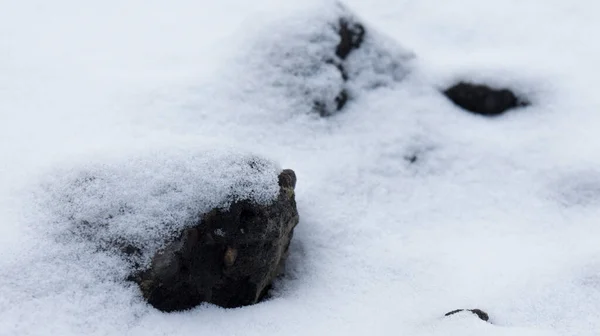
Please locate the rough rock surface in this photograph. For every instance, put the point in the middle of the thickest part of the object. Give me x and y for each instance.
(230, 258)
(324, 61)
(480, 313)
(481, 99)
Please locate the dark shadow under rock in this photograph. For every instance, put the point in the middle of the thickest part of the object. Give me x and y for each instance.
(482, 99)
(230, 258)
(480, 313)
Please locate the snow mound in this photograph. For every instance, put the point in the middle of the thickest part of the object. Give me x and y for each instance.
(320, 59)
(144, 200)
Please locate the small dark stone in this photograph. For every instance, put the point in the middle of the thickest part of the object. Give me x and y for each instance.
(230, 258)
(482, 99)
(411, 158)
(287, 179)
(351, 37)
(480, 313)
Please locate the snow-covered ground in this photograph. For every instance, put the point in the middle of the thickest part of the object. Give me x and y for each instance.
(497, 213)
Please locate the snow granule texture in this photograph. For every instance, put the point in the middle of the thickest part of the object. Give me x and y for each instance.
(410, 207)
(294, 59)
(144, 200)
(81, 216)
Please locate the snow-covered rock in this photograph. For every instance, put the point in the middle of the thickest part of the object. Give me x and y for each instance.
(410, 207)
(191, 225)
(229, 258)
(322, 60)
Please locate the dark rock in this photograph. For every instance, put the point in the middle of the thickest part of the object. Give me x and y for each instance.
(411, 158)
(351, 35)
(480, 313)
(230, 258)
(482, 99)
(287, 179)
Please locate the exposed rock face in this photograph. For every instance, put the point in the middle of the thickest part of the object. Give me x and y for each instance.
(480, 313)
(230, 258)
(481, 99)
(351, 35)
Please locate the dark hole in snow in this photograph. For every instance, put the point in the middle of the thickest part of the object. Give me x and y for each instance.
(482, 99)
(480, 313)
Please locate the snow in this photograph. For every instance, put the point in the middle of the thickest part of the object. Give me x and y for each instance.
(143, 200)
(292, 59)
(498, 214)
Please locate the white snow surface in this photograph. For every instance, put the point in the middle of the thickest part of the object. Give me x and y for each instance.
(144, 200)
(496, 213)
